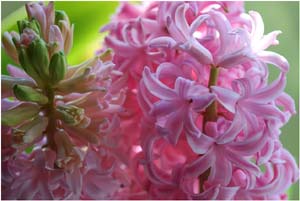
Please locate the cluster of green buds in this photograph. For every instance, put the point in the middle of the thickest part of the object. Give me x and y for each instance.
(44, 91)
(41, 55)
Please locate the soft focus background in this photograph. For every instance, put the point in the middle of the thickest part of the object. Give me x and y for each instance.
(88, 17)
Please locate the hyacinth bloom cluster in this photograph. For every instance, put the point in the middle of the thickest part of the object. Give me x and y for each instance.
(176, 104)
(209, 117)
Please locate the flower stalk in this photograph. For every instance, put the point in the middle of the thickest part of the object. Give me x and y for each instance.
(210, 113)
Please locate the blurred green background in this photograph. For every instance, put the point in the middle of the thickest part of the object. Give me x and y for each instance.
(88, 17)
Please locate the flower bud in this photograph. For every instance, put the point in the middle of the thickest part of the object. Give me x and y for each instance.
(7, 83)
(43, 14)
(9, 46)
(56, 41)
(26, 65)
(61, 15)
(36, 130)
(70, 114)
(62, 21)
(25, 93)
(33, 24)
(107, 55)
(57, 67)
(38, 54)
(19, 114)
(26, 38)
(29, 132)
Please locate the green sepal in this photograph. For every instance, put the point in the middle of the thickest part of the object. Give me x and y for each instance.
(57, 67)
(25, 93)
(19, 114)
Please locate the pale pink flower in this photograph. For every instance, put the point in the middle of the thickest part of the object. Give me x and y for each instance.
(176, 105)
(259, 42)
(248, 104)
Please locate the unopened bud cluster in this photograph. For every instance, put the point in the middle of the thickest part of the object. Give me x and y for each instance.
(51, 112)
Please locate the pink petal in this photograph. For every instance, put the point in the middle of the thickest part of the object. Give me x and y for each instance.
(55, 36)
(275, 185)
(156, 175)
(250, 146)
(163, 107)
(168, 70)
(163, 41)
(174, 126)
(156, 87)
(287, 102)
(201, 102)
(7, 104)
(17, 72)
(74, 181)
(252, 122)
(189, 126)
(243, 163)
(223, 27)
(143, 100)
(35, 10)
(244, 86)
(180, 20)
(235, 58)
(123, 48)
(85, 134)
(275, 59)
(236, 126)
(197, 22)
(208, 194)
(226, 97)
(257, 31)
(201, 164)
(227, 193)
(266, 153)
(290, 161)
(198, 51)
(182, 86)
(149, 26)
(174, 31)
(221, 170)
(267, 40)
(265, 111)
(270, 92)
(199, 143)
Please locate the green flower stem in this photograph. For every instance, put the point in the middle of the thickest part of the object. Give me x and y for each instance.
(50, 112)
(209, 115)
(211, 110)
